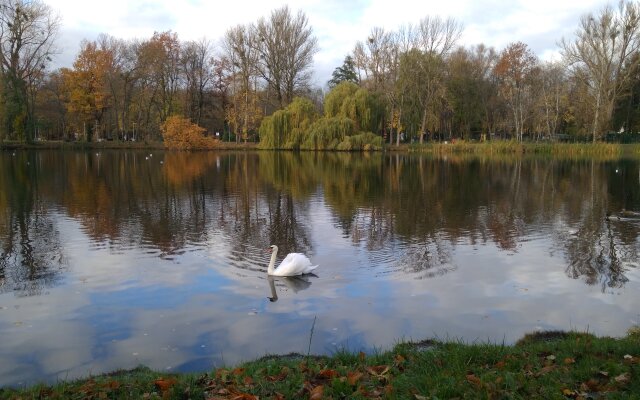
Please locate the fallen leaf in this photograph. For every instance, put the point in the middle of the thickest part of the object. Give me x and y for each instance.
(399, 359)
(418, 397)
(569, 360)
(280, 377)
(248, 381)
(244, 396)
(500, 364)
(279, 396)
(165, 384)
(113, 385)
(353, 377)
(603, 373)
(238, 371)
(592, 385)
(328, 374)
(628, 357)
(551, 357)
(361, 356)
(474, 380)
(378, 370)
(623, 378)
(388, 390)
(545, 370)
(316, 393)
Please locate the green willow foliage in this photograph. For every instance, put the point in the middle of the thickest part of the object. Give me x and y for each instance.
(285, 129)
(351, 114)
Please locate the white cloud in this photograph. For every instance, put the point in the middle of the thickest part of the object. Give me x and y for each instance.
(337, 24)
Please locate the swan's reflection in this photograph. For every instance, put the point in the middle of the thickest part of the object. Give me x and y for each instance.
(295, 283)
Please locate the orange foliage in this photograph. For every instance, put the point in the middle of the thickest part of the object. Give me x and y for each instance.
(180, 133)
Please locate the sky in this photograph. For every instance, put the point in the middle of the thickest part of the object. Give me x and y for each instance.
(337, 24)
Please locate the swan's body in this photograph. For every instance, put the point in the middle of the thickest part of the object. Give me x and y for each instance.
(294, 264)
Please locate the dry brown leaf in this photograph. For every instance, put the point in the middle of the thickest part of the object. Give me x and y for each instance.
(238, 371)
(244, 396)
(165, 384)
(316, 393)
(328, 374)
(248, 381)
(474, 380)
(354, 377)
(623, 378)
(500, 364)
(361, 356)
(378, 370)
(546, 370)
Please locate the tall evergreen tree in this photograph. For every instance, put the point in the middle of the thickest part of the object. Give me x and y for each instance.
(344, 73)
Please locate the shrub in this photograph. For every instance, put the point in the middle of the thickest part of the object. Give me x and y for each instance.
(180, 133)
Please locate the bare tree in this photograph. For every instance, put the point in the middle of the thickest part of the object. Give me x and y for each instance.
(554, 89)
(372, 57)
(197, 64)
(286, 46)
(599, 54)
(242, 52)
(435, 39)
(28, 29)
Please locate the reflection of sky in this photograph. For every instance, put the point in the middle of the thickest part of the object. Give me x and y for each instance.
(118, 309)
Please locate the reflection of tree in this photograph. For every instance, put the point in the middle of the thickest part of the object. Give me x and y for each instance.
(419, 207)
(596, 247)
(427, 260)
(31, 255)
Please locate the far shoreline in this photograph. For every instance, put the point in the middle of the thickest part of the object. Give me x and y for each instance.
(598, 150)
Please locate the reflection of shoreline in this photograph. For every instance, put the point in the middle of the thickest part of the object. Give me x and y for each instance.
(295, 283)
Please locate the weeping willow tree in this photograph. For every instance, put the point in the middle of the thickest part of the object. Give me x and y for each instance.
(351, 114)
(328, 133)
(286, 129)
(358, 104)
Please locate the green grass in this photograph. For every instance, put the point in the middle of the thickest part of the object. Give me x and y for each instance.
(516, 148)
(554, 365)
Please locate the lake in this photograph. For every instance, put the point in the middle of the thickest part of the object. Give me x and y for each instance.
(113, 259)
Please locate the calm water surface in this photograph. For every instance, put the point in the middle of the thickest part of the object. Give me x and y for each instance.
(113, 259)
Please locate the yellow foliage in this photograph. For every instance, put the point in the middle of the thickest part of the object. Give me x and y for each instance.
(180, 133)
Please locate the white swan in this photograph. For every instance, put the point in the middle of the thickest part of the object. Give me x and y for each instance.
(294, 264)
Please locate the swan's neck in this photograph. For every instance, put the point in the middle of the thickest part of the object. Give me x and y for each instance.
(272, 263)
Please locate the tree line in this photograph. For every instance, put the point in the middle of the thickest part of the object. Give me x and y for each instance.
(412, 83)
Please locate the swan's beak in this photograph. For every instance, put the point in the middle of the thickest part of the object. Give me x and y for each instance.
(268, 250)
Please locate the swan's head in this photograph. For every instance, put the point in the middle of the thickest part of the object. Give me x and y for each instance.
(272, 248)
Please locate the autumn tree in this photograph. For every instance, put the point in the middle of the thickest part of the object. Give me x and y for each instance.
(286, 46)
(599, 55)
(28, 29)
(159, 67)
(87, 88)
(514, 68)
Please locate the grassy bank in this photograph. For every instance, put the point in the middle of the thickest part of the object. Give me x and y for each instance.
(551, 365)
(512, 147)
